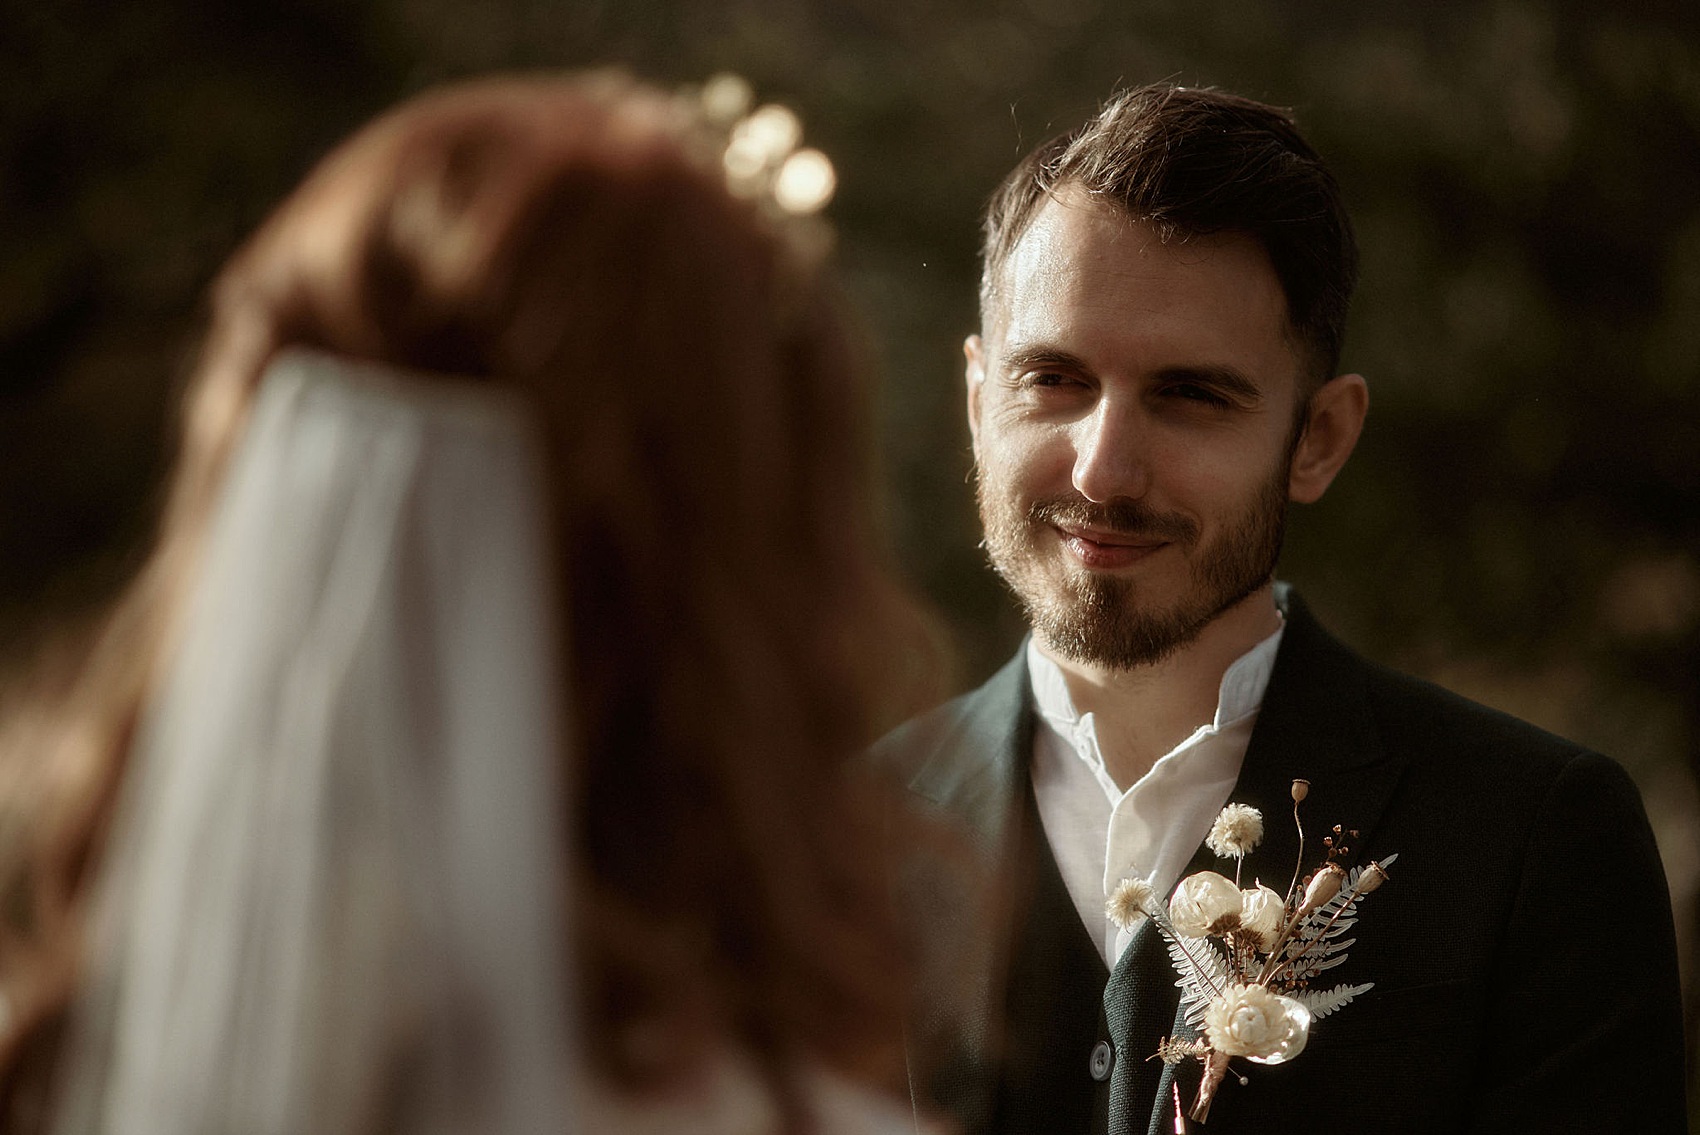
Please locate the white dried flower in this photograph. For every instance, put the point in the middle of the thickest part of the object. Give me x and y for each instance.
(1205, 904)
(1262, 912)
(1249, 1020)
(1132, 899)
(1237, 830)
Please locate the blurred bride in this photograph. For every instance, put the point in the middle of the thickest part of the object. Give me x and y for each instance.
(476, 750)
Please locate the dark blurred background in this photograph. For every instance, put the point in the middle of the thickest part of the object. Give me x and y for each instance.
(1521, 521)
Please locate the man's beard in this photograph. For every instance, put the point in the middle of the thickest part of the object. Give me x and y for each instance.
(1101, 619)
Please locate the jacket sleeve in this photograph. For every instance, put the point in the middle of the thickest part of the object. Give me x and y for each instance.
(1585, 1011)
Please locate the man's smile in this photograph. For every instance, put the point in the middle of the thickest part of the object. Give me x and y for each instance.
(1107, 549)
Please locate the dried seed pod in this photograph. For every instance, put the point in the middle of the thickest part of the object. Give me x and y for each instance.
(1324, 885)
(1372, 877)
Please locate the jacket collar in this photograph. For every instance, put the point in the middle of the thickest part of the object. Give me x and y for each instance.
(977, 767)
(1316, 724)
(974, 771)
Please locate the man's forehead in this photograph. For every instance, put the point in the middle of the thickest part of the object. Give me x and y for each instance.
(1083, 261)
(1073, 210)
(1071, 239)
(1074, 232)
(1066, 224)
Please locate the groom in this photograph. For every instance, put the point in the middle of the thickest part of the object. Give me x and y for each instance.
(1162, 306)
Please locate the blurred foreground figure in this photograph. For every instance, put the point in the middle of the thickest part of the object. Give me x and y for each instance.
(1154, 382)
(474, 751)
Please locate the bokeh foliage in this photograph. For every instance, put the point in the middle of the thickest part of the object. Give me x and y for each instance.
(1522, 520)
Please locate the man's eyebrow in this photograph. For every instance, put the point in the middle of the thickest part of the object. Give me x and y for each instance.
(1036, 356)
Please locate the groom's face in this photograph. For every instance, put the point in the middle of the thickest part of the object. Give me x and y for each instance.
(1134, 407)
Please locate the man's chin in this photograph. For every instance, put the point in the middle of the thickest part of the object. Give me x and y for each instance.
(1107, 623)
(1125, 643)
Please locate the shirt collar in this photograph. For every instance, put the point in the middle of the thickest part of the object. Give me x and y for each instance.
(1240, 695)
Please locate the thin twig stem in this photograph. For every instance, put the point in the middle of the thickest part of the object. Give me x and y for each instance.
(1299, 861)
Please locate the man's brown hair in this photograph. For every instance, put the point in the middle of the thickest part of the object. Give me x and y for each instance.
(1193, 161)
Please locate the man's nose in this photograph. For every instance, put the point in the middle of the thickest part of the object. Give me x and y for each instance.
(1111, 458)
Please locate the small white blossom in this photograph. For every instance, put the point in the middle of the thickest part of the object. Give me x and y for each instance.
(1262, 912)
(1205, 904)
(1132, 899)
(1249, 1020)
(1237, 830)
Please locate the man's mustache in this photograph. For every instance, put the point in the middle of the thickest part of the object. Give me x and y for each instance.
(1121, 516)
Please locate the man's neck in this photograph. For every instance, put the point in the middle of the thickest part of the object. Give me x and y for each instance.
(1145, 712)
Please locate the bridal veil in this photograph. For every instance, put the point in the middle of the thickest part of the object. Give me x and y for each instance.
(334, 897)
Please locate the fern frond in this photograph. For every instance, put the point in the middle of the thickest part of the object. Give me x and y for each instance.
(1312, 964)
(1202, 970)
(1203, 974)
(1325, 1001)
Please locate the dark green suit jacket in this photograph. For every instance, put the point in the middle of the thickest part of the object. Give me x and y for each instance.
(1523, 954)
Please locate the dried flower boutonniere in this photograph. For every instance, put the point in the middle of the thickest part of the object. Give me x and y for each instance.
(1247, 958)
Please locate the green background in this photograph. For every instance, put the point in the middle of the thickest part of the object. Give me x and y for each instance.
(1521, 521)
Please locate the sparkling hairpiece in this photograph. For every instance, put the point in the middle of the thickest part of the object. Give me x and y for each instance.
(764, 159)
(758, 150)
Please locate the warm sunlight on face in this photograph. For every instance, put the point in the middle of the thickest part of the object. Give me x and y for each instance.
(1134, 408)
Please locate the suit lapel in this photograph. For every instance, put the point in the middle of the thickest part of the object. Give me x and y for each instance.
(977, 765)
(1315, 725)
(975, 772)
(1139, 1007)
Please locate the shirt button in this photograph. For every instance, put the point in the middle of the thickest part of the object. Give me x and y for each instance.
(1103, 1058)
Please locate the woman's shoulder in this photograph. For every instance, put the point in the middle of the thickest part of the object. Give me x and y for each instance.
(729, 1098)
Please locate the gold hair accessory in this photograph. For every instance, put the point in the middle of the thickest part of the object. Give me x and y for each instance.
(764, 159)
(758, 150)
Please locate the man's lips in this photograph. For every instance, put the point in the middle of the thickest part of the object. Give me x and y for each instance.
(1097, 548)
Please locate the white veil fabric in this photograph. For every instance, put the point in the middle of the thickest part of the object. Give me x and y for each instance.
(334, 899)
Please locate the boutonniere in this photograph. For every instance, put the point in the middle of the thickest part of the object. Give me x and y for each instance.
(1248, 959)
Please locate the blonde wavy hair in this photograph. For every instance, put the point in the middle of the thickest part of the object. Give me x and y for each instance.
(736, 635)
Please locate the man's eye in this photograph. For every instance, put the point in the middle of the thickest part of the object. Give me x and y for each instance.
(1191, 392)
(1050, 378)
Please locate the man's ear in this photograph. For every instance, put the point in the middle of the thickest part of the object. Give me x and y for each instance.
(974, 352)
(1332, 425)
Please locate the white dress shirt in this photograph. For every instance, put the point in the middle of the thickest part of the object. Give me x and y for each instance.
(1100, 834)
